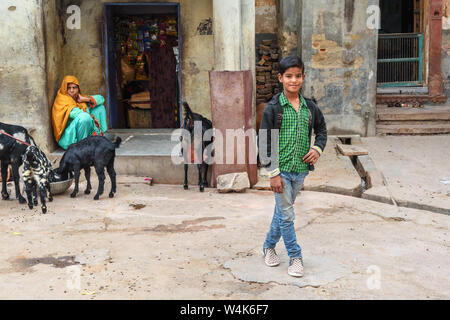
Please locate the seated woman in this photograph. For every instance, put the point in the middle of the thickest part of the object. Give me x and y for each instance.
(74, 116)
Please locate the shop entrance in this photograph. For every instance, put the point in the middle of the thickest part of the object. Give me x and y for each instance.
(143, 65)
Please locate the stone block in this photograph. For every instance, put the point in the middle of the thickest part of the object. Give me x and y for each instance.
(233, 182)
(351, 150)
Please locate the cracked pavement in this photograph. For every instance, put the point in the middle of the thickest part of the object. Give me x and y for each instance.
(162, 242)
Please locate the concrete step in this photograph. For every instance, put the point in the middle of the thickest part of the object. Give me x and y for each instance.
(160, 168)
(426, 128)
(413, 114)
(413, 122)
(148, 153)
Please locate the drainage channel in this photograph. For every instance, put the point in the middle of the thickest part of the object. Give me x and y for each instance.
(354, 159)
(366, 184)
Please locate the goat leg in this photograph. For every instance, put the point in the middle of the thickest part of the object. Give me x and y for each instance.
(47, 188)
(205, 174)
(101, 181)
(200, 180)
(112, 176)
(5, 195)
(87, 174)
(76, 171)
(34, 191)
(15, 172)
(43, 194)
(29, 184)
(186, 177)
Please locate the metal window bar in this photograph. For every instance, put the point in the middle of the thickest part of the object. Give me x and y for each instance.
(400, 60)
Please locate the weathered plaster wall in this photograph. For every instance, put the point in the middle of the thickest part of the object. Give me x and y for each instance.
(446, 15)
(198, 55)
(54, 42)
(339, 52)
(278, 19)
(84, 50)
(23, 91)
(288, 25)
(446, 47)
(265, 16)
(266, 23)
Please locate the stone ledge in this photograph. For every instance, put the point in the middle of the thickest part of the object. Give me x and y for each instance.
(386, 98)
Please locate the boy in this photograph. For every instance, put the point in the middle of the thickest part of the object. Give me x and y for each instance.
(294, 117)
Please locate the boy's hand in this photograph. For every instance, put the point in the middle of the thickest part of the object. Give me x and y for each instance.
(311, 157)
(277, 184)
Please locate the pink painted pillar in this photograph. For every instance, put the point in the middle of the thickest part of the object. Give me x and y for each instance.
(231, 108)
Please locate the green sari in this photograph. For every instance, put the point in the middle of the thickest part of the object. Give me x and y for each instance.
(81, 125)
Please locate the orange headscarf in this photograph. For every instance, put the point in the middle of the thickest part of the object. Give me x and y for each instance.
(63, 105)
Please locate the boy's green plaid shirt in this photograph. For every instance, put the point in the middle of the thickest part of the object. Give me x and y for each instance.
(293, 138)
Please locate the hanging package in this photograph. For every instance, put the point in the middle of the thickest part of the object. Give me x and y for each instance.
(172, 28)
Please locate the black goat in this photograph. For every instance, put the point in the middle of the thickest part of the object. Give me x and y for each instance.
(37, 171)
(11, 152)
(93, 151)
(188, 149)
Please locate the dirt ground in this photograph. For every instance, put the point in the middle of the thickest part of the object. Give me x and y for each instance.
(162, 242)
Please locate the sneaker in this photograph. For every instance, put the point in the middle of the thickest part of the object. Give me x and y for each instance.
(296, 267)
(270, 257)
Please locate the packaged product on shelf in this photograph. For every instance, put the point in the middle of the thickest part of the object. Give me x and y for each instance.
(154, 32)
(147, 45)
(162, 35)
(172, 28)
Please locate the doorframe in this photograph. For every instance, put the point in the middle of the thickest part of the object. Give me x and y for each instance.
(111, 78)
(433, 80)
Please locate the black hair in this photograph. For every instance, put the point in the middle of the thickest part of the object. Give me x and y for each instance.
(290, 62)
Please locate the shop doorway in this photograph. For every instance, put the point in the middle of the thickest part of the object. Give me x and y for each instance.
(401, 44)
(142, 65)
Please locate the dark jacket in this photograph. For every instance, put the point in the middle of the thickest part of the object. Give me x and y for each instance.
(272, 118)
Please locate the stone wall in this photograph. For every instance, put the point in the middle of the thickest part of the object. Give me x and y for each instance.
(23, 82)
(340, 55)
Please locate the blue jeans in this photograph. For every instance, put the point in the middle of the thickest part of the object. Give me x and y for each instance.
(283, 216)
